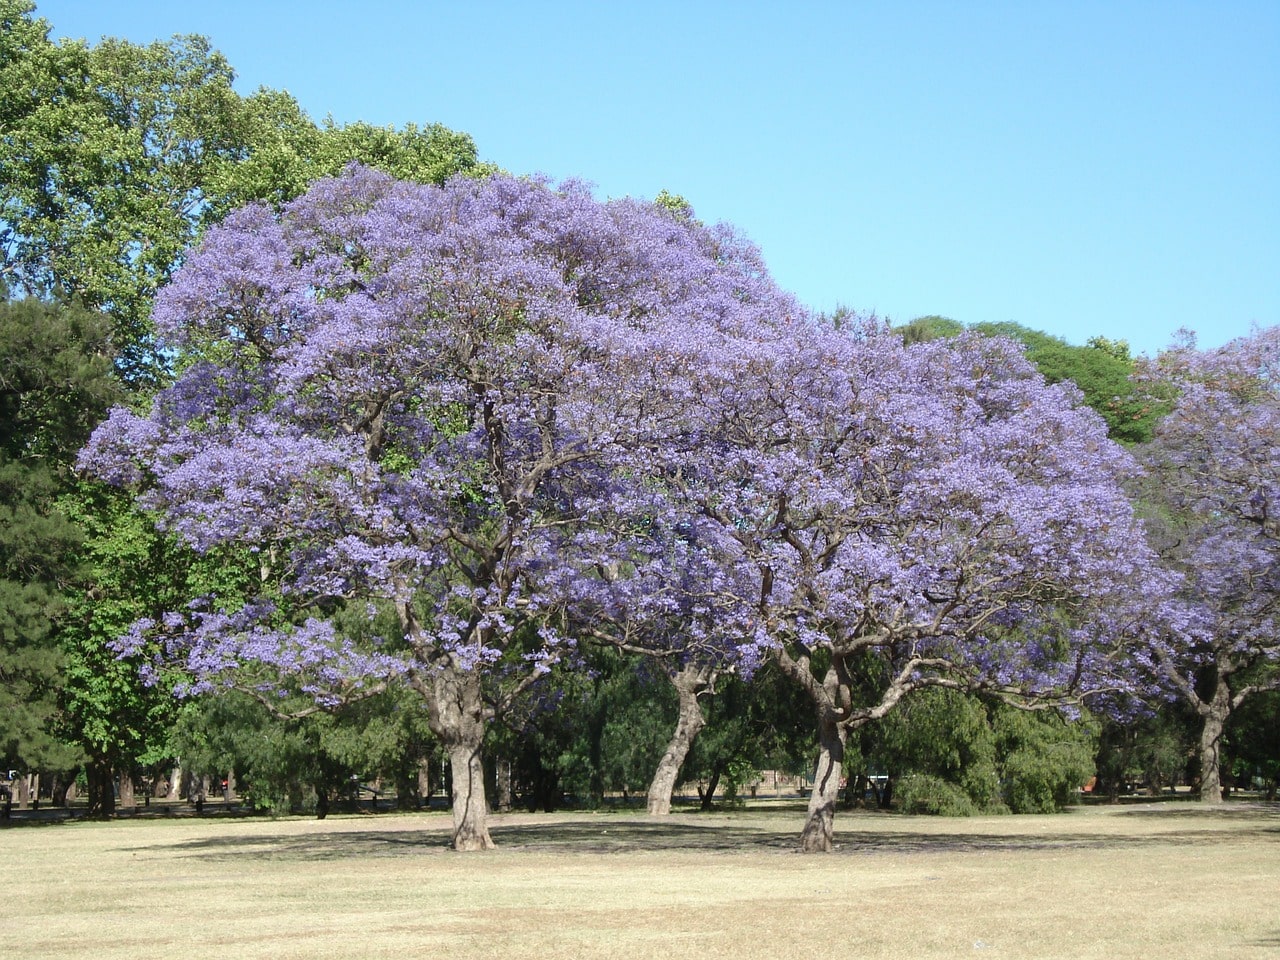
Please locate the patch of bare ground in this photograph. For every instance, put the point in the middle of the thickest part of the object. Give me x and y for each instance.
(1123, 882)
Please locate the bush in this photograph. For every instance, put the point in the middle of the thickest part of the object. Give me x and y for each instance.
(1044, 759)
(923, 793)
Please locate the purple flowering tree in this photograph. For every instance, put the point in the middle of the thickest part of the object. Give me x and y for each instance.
(1215, 471)
(928, 515)
(445, 401)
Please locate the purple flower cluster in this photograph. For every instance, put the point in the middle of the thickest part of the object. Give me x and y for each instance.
(1216, 457)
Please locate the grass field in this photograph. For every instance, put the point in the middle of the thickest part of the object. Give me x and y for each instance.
(1162, 880)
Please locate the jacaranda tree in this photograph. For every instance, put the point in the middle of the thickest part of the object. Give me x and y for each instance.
(934, 515)
(515, 415)
(446, 400)
(1215, 467)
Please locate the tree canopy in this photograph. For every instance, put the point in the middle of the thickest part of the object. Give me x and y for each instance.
(1215, 469)
(1101, 369)
(55, 383)
(504, 409)
(115, 156)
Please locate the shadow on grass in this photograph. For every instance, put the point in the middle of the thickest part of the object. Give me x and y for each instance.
(625, 835)
(1190, 809)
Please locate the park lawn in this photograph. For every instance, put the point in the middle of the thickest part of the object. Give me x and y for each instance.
(1120, 882)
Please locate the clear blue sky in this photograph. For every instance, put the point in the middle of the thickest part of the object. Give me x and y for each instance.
(1084, 167)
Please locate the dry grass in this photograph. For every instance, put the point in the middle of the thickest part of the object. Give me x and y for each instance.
(1128, 882)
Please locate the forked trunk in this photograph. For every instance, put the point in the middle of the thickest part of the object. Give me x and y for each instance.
(819, 825)
(1214, 713)
(689, 682)
(457, 713)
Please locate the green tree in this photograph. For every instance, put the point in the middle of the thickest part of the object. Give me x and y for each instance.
(130, 570)
(1043, 758)
(936, 736)
(114, 157)
(923, 329)
(955, 753)
(1253, 742)
(55, 383)
(1101, 369)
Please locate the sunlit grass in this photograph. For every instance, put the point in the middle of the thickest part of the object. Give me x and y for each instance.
(1160, 880)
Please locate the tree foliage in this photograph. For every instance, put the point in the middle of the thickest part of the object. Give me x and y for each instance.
(1215, 480)
(115, 156)
(441, 398)
(1101, 369)
(55, 383)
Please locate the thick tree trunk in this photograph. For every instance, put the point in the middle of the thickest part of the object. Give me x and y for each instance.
(1214, 713)
(691, 680)
(102, 794)
(819, 825)
(175, 784)
(457, 714)
(470, 809)
(127, 798)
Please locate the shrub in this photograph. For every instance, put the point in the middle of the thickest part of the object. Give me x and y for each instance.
(923, 793)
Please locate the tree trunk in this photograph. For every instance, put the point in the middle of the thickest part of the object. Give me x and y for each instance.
(424, 780)
(127, 799)
(175, 784)
(712, 785)
(457, 715)
(819, 825)
(1214, 713)
(23, 787)
(502, 775)
(102, 794)
(470, 809)
(691, 680)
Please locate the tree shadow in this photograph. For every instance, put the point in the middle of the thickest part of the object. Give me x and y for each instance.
(1189, 810)
(611, 835)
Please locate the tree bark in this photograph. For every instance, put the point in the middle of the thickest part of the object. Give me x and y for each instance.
(712, 785)
(102, 794)
(127, 798)
(691, 680)
(457, 714)
(1214, 713)
(424, 780)
(470, 809)
(819, 824)
(23, 787)
(502, 775)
